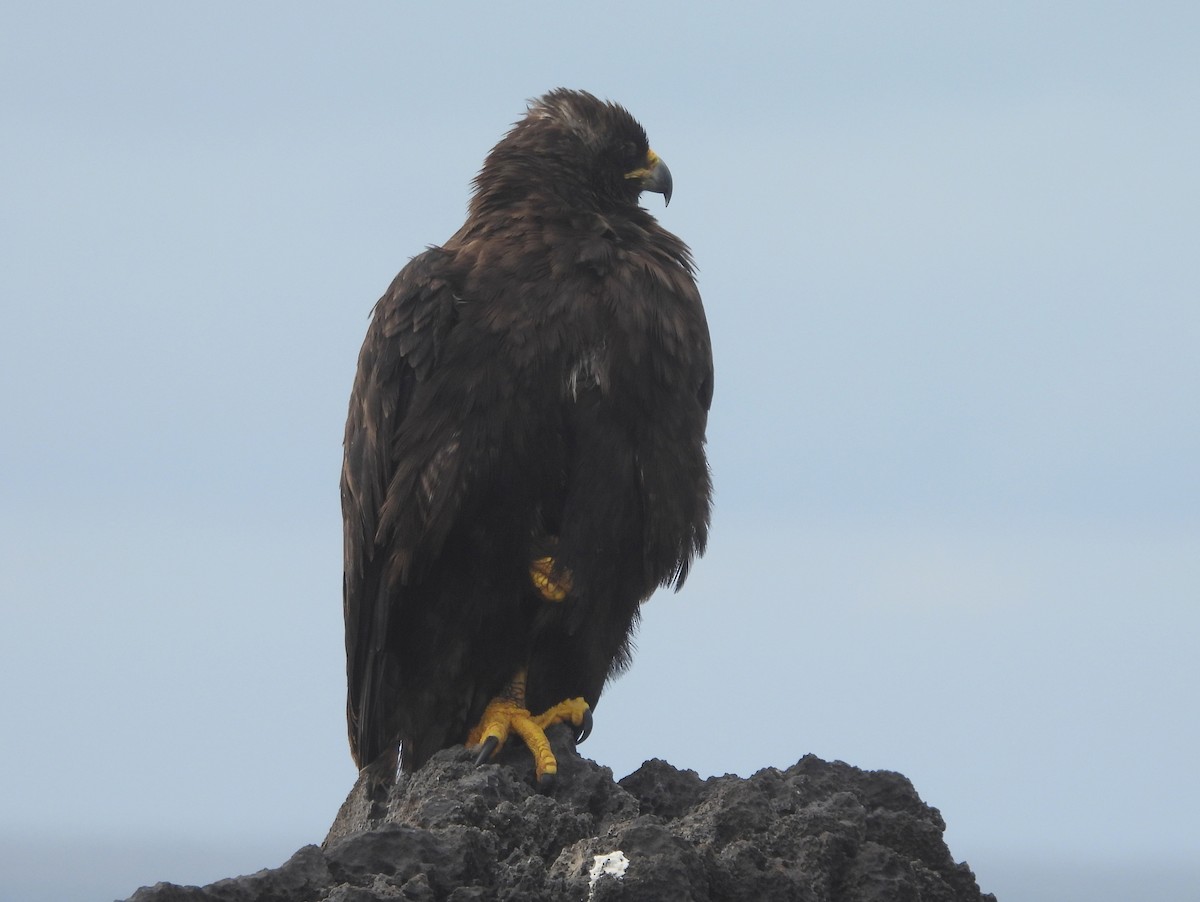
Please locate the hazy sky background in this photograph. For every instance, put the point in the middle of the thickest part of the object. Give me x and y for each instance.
(951, 260)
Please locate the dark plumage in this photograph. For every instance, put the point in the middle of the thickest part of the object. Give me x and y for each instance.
(537, 385)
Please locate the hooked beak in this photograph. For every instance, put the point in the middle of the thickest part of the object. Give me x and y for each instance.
(654, 176)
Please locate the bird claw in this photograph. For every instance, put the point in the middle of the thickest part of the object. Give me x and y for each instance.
(584, 730)
(487, 750)
(507, 714)
(550, 582)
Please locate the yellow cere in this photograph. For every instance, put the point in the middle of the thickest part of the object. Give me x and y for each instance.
(651, 162)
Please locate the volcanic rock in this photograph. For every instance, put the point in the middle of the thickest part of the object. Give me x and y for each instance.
(453, 832)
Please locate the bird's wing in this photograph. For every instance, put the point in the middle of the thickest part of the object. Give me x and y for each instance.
(401, 484)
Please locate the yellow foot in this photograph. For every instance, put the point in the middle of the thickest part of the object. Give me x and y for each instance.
(507, 714)
(551, 583)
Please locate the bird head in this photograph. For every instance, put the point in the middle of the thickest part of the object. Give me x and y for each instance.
(573, 146)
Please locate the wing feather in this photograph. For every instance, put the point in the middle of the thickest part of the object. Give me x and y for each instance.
(394, 487)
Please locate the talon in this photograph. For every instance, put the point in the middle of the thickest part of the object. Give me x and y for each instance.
(546, 783)
(487, 750)
(507, 713)
(585, 729)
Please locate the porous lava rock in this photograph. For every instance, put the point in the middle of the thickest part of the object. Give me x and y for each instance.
(453, 832)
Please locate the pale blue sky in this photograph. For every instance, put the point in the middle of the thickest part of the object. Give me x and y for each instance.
(950, 258)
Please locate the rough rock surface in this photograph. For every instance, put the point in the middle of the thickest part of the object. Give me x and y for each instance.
(817, 831)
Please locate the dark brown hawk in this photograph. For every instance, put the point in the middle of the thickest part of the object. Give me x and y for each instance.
(524, 454)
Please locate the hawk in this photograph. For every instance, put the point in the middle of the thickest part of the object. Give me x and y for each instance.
(524, 452)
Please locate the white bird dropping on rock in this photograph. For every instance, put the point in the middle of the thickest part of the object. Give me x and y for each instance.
(614, 864)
